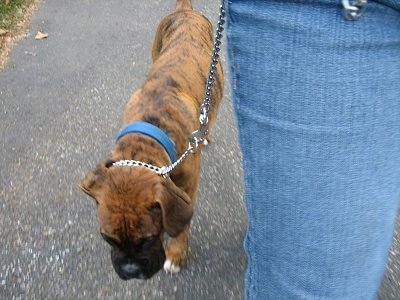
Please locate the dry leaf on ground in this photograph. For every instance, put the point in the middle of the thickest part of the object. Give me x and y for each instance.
(41, 35)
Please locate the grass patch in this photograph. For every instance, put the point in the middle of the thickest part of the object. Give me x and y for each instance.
(12, 12)
(14, 16)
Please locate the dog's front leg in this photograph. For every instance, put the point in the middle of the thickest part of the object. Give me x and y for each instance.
(177, 251)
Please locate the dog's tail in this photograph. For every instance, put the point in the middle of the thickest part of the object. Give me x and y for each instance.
(183, 5)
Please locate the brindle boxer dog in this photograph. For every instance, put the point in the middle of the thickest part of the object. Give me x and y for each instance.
(135, 205)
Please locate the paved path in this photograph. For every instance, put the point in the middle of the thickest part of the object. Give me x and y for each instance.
(61, 101)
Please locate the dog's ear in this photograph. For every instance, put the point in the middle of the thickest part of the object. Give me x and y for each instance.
(175, 207)
(94, 181)
(161, 33)
(157, 43)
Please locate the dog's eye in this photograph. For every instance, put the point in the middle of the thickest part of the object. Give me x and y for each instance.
(147, 242)
(109, 240)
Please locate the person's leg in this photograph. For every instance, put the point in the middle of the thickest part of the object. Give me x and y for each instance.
(317, 100)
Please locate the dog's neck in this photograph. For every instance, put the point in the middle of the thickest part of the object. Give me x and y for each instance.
(152, 131)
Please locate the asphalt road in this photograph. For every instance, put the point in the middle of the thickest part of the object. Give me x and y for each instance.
(61, 101)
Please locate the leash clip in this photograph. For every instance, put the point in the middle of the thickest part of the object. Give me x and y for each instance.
(354, 10)
(197, 137)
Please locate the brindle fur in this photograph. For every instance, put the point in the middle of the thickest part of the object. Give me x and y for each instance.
(134, 202)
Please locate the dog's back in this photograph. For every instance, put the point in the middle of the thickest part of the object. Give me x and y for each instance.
(181, 54)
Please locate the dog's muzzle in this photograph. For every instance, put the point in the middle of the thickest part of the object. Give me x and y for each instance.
(129, 266)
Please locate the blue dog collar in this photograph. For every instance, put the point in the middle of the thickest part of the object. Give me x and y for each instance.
(152, 131)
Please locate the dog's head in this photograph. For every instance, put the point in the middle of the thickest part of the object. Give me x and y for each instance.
(135, 206)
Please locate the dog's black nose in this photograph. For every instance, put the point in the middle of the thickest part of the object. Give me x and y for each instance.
(129, 270)
(128, 267)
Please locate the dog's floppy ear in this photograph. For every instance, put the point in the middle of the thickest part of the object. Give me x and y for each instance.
(175, 206)
(157, 43)
(94, 181)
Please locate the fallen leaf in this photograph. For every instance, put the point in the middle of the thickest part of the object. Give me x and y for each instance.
(41, 35)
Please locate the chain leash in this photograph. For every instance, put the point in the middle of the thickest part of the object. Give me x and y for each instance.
(197, 137)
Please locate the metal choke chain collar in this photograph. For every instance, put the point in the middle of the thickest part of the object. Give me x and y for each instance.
(197, 137)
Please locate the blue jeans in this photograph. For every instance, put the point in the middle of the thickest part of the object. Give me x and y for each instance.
(317, 100)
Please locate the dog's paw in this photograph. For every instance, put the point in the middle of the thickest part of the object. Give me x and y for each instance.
(177, 256)
(171, 268)
(177, 252)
